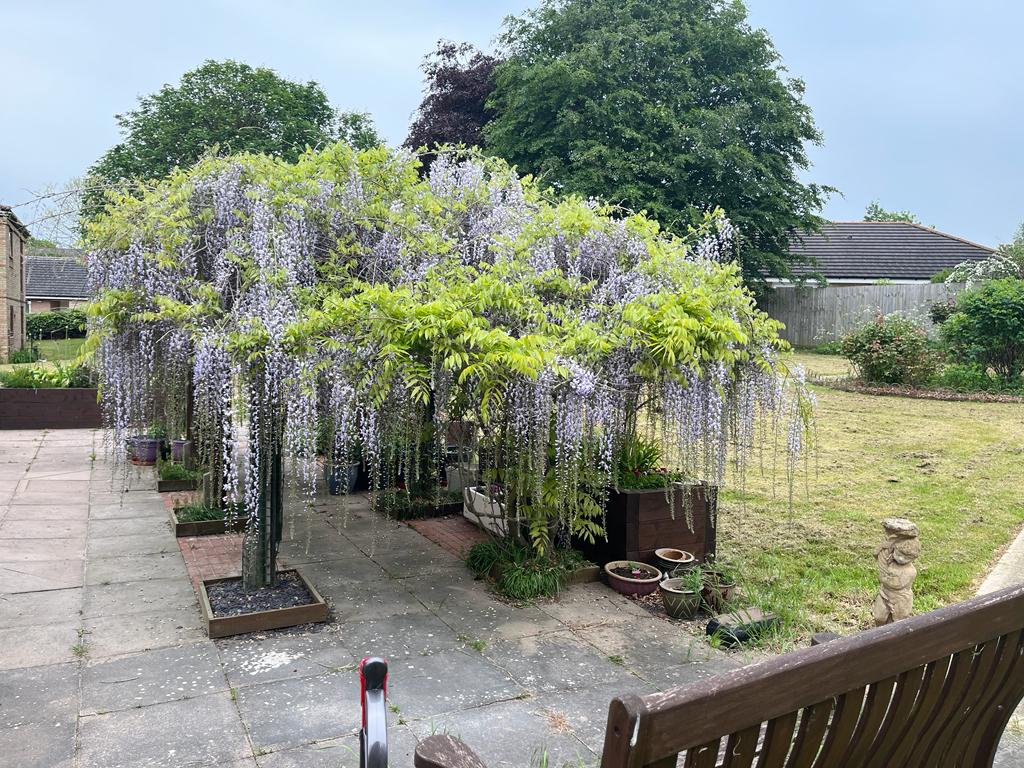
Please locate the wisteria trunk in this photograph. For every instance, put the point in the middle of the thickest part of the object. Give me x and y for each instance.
(259, 550)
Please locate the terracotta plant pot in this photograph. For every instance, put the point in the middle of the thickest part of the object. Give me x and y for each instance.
(718, 591)
(672, 560)
(679, 602)
(643, 583)
(146, 449)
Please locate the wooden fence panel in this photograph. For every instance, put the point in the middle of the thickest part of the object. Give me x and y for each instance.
(815, 315)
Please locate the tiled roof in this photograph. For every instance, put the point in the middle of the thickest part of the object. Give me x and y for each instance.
(883, 250)
(55, 277)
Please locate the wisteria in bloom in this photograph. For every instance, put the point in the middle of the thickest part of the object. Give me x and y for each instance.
(350, 309)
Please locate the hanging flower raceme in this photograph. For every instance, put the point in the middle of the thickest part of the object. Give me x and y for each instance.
(344, 306)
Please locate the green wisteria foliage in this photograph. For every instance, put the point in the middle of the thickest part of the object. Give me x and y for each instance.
(344, 294)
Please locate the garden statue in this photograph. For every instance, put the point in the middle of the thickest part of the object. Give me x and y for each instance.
(896, 571)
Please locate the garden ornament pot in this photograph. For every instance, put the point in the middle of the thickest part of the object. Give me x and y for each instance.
(674, 560)
(342, 477)
(679, 602)
(181, 451)
(642, 578)
(718, 590)
(146, 449)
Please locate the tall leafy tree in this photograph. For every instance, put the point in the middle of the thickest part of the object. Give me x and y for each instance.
(875, 212)
(459, 79)
(670, 106)
(226, 104)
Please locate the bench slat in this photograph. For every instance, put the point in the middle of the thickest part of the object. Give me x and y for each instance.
(910, 708)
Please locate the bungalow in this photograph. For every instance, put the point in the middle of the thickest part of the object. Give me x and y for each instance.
(869, 268)
(55, 279)
(868, 252)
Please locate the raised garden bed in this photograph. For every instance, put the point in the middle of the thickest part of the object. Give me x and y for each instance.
(227, 610)
(51, 408)
(205, 527)
(168, 486)
(639, 522)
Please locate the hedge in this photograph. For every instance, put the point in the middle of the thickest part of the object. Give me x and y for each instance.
(65, 324)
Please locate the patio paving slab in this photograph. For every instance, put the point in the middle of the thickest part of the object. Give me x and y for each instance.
(42, 529)
(39, 575)
(151, 677)
(28, 609)
(203, 731)
(46, 695)
(39, 745)
(448, 681)
(263, 658)
(342, 753)
(113, 635)
(133, 567)
(76, 511)
(171, 596)
(36, 645)
(289, 713)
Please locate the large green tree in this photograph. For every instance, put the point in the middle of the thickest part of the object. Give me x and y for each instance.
(875, 212)
(670, 106)
(226, 104)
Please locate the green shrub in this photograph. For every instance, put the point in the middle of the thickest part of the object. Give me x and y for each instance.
(829, 348)
(37, 377)
(65, 324)
(522, 575)
(974, 378)
(987, 328)
(940, 311)
(194, 513)
(24, 355)
(891, 350)
(171, 471)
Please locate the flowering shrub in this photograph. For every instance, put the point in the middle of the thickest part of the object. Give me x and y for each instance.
(891, 350)
(987, 328)
(995, 267)
(346, 294)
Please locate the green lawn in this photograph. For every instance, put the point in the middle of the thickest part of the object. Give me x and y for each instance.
(54, 351)
(954, 468)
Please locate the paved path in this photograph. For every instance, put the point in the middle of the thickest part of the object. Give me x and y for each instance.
(104, 664)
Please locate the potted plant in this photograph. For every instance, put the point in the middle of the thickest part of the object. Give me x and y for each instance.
(632, 578)
(181, 451)
(338, 477)
(145, 449)
(682, 595)
(675, 561)
(719, 585)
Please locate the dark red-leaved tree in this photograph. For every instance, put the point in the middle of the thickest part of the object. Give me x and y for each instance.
(458, 80)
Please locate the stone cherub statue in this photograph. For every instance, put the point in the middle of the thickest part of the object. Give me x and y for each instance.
(896, 571)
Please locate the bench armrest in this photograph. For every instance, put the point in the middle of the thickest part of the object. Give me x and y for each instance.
(444, 751)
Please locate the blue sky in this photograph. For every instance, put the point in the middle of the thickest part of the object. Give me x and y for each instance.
(920, 101)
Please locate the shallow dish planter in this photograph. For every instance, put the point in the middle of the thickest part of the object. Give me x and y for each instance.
(671, 560)
(238, 623)
(205, 527)
(642, 579)
(480, 509)
(679, 602)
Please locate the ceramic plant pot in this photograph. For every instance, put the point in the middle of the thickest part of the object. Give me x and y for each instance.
(643, 578)
(344, 477)
(146, 449)
(181, 451)
(674, 560)
(718, 591)
(679, 602)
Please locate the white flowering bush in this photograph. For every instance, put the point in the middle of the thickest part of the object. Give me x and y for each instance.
(995, 267)
(344, 293)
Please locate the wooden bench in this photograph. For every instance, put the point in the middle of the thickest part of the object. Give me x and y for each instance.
(932, 690)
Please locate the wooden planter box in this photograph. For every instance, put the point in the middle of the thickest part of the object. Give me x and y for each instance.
(206, 527)
(167, 486)
(49, 409)
(640, 521)
(261, 621)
